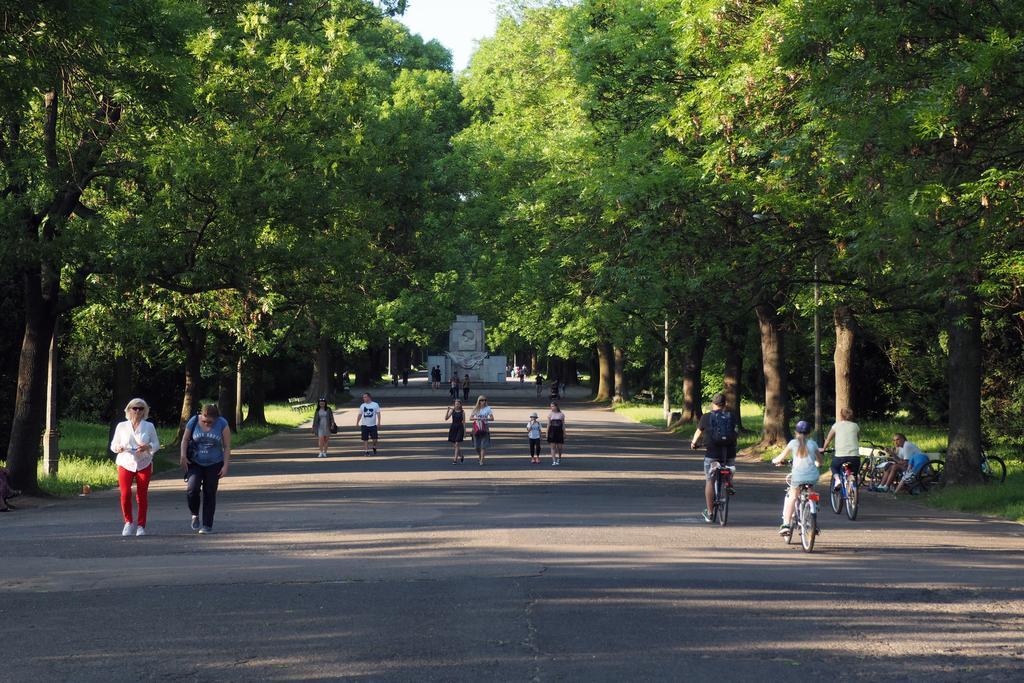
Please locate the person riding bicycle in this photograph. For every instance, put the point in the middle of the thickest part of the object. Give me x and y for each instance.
(909, 462)
(846, 432)
(721, 429)
(806, 462)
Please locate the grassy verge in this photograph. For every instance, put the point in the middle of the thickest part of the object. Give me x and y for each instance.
(1002, 500)
(752, 416)
(84, 460)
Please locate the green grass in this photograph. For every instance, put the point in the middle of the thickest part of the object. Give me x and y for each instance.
(83, 450)
(652, 414)
(1002, 500)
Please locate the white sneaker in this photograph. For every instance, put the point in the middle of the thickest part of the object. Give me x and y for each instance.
(205, 530)
(141, 531)
(195, 522)
(321, 455)
(128, 529)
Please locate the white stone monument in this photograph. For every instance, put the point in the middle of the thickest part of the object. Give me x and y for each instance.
(467, 354)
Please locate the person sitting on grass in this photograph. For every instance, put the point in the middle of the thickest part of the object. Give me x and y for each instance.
(909, 460)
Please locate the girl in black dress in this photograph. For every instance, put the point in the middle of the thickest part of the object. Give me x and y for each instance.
(457, 432)
(556, 433)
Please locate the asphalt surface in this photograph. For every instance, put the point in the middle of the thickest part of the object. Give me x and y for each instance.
(405, 567)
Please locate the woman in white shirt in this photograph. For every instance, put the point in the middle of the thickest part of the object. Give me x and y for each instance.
(135, 441)
(482, 416)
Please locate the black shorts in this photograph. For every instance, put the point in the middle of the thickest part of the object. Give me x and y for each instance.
(723, 453)
(837, 466)
(367, 433)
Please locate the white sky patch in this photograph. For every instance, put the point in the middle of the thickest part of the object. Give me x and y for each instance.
(456, 24)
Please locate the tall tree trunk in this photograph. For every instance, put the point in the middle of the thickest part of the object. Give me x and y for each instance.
(257, 393)
(570, 372)
(733, 340)
(693, 366)
(121, 395)
(193, 342)
(846, 337)
(773, 360)
(963, 458)
(621, 390)
(606, 378)
(122, 387)
(226, 389)
(320, 382)
(364, 368)
(24, 446)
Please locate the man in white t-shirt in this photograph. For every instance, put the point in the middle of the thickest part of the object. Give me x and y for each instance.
(909, 458)
(368, 421)
(846, 432)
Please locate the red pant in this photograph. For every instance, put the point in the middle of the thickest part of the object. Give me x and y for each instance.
(124, 480)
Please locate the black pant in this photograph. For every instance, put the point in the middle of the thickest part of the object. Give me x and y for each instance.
(534, 448)
(204, 476)
(465, 394)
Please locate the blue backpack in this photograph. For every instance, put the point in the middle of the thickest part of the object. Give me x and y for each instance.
(723, 428)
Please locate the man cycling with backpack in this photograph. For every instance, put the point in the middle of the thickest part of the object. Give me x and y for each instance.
(720, 427)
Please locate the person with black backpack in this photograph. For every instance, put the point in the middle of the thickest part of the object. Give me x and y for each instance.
(719, 429)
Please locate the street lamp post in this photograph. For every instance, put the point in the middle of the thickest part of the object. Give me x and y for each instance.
(665, 403)
(818, 417)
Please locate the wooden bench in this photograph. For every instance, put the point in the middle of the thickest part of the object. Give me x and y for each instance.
(299, 404)
(645, 396)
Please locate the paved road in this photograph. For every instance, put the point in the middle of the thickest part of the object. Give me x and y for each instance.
(405, 567)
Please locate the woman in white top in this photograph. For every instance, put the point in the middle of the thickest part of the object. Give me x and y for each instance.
(135, 441)
(482, 416)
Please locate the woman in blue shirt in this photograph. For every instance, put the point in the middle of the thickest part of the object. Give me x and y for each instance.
(205, 454)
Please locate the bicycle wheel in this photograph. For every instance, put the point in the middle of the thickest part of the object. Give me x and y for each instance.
(714, 501)
(994, 469)
(808, 526)
(851, 498)
(723, 505)
(864, 472)
(836, 497)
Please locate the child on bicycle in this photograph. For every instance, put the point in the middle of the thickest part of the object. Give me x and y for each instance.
(806, 461)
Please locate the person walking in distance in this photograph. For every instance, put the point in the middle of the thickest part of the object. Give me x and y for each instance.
(846, 432)
(453, 387)
(465, 387)
(323, 425)
(533, 428)
(539, 381)
(719, 426)
(556, 433)
(457, 432)
(368, 422)
(482, 416)
(135, 441)
(205, 456)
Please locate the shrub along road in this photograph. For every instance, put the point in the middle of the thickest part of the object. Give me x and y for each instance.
(406, 567)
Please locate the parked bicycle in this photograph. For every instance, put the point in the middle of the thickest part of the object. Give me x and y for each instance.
(846, 495)
(805, 516)
(993, 468)
(872, 468)
(993, 471)
(723, 483)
